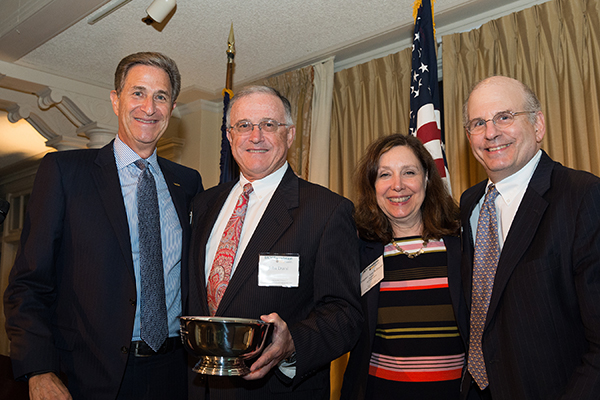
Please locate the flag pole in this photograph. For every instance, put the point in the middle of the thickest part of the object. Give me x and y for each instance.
(229, 168)
(230, 56)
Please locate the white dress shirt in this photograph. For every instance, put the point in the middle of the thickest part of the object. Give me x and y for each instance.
(170, 231)
(257, 204)
(511, 191)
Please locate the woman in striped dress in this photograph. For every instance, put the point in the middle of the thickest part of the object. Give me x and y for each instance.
(410, 347)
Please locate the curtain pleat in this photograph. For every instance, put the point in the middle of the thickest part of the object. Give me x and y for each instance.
(318, 165)
(554, 48)
(297, 87)
(370, 100)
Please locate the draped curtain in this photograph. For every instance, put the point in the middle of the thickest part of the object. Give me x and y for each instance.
(321, 123)
(309, 91)
(370, 100)
(554, 48)
(297, 87)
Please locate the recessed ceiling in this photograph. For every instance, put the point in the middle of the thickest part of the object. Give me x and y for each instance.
(271, 36)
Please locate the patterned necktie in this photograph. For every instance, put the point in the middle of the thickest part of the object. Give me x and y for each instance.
(153, 309)
(223, 263)
(487, 253)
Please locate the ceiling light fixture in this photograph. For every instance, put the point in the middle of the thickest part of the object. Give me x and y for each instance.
(107, 9)
(159, 9)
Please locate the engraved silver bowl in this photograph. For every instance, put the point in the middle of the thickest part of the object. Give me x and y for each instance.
(223, 344)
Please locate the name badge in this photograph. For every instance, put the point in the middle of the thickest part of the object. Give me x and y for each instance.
(371, 275)
(281, 270)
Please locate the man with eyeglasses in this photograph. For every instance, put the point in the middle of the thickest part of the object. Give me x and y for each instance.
(276, 247)
(531, 258)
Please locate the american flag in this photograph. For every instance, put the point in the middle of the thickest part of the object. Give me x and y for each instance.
(425, 120)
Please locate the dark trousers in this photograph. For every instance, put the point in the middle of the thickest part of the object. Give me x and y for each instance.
(159, 377)
(472, 390)
(475, 393)
(484, 394)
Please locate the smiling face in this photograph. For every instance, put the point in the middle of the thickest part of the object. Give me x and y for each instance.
(503, 152)
(400, 190)
(143, 108)
(259, 154)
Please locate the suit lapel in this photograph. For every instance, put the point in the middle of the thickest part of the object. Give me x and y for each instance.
(523, 229)
(107, 182)
(470, 199)
(180, 202)
(452, 244)
(274, 222)
(178, 195)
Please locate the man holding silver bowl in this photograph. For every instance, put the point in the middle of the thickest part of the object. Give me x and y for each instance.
(274, 247)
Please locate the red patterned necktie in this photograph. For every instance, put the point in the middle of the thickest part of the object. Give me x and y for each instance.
(485, 261)
(223, 263)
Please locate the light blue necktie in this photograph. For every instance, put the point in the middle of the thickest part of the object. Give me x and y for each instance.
(153, 309)
(485, 261)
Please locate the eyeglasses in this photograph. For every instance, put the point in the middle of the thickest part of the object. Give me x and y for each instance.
(266, 126)
(501, 120)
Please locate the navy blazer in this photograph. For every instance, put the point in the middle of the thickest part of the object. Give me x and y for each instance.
(322, 313)
(541, 339)
(70, 302)
(357, 371)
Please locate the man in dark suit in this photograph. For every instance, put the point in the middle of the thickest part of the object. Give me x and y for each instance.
(308, 229)
(75, 295)
(539, 332)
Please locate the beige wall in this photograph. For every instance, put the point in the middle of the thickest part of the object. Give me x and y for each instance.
(14, 185)
(200, 127)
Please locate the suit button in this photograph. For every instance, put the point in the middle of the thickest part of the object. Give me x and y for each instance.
(124, 350)
(132, 302)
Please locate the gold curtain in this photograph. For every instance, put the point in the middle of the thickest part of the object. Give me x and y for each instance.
(370, 100)
(554, 48)
(297, 87)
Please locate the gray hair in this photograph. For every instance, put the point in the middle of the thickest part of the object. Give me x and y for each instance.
(530, 100)
(248, 90)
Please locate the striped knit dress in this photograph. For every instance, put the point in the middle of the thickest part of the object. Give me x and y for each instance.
(417, 352)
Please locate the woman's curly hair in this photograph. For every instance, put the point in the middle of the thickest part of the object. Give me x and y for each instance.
(439, 210)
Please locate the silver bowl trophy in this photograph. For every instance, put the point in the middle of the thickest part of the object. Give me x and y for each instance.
(223, 343)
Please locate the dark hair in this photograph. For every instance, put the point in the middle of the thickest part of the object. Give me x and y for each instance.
(248, 90)
(154, 60)
(439, 211)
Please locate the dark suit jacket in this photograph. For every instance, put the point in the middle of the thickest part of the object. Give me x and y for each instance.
(70, 302)
(322, 313)
(542, 334)
(357, 371)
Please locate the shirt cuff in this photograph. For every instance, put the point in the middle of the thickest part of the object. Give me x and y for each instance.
(288, 366)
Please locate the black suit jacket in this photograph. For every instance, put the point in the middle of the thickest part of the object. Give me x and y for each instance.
(70, 302)
(357, 371)
(542, 334)
(322, 313)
